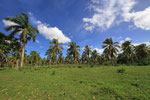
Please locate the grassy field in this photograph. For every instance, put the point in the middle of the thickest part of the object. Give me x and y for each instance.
(76, 83)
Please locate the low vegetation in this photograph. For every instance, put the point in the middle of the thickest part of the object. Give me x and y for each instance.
(77, 83)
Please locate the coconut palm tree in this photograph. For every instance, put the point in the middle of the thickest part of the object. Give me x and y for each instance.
(94, 56)
(15, 46)
(61, 59)
(56, 48)
(74, 51)
(87, 51)
(5, 49)
(110, 49)
(141, 51)
(128, 51)
(25, 30)
(84, 58)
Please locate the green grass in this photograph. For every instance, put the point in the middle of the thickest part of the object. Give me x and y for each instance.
(76, 82)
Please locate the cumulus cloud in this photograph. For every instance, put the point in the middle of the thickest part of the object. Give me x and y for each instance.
(111, 12)
(147, 43)
(52, 32)
(8, 23)
(128, 39)
(141, 19)
(49, 32)
(100, 51)
(122, 41)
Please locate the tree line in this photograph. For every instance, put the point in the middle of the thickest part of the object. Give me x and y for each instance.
(13, 53)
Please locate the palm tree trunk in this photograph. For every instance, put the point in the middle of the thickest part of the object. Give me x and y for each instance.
(22, 56)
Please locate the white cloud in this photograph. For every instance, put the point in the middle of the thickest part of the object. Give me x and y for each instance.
(100, 51)
(65, 46)
(111, 12)
(37, 41)
(122, 41)
(49, 32)
(147, 43)
(8, 23)
(128, 39)
(84, 47)
(52, 32)
(141, 19)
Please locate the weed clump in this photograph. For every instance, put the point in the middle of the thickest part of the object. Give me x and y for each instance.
(53, 73)
(79, 66)
(122, 70)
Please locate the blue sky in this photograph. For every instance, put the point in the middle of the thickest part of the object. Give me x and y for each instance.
(81, 21)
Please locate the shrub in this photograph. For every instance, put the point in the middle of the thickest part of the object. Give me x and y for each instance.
(122, 70)
(53, 73)
(79, 66)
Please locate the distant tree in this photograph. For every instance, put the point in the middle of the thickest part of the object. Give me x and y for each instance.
(110, 49)
(25, 30)
(94, 57)
(56, 49)
(35, 58)
(16, 51)
(142, 52)
(84, 58)
(127, 56)
(69, 59)
(4, 49)
(61, 59)
(87, 53)
(74, 51)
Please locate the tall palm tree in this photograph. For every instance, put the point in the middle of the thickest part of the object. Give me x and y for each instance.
(87, 51)
(61, 59)
(74, 51)
(94, 56)
(84, 58)
(55, 47)
(15, 46)
(128, 51)
(142, 51)
(26, 30)
(110, 48)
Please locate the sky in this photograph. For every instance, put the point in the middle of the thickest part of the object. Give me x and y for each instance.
(86, 22)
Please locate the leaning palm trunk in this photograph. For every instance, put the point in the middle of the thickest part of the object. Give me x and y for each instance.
(22, 56)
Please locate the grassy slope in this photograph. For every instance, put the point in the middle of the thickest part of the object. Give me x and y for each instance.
(76, 83)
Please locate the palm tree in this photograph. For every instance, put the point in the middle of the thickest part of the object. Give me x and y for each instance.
(15, 46)
(87, 51)
(128, 51)
(56, 48)
(26, 30)
(74, 51)
(5, 49)
(94, 56)
(141, 51)
(35, 58)
(84, 58)
(61, 59)
(110, 49)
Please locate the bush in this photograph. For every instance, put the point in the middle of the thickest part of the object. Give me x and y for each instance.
(121, 70)
(79, 66)
(107, 63)
(53, 73)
